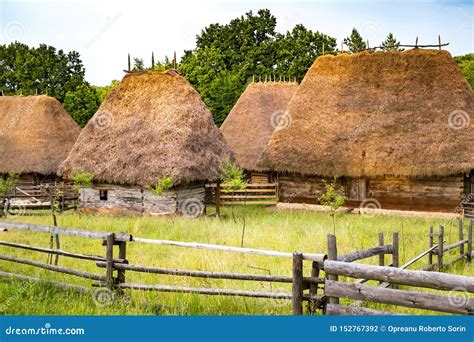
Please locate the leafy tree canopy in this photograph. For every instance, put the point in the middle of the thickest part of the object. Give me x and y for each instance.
(355, 42)
(391, 44)
(43, 70)
(466, 63)
(228, 56)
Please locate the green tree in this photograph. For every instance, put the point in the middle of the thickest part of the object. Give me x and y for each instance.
(82, 103)
(355, 42)
(466, 63)
(227, 56)
(102, 92)
(332, 198)
(391, 44)
(138, 64)
(43, 70)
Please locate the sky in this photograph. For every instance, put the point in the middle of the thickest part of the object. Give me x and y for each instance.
(104, 32)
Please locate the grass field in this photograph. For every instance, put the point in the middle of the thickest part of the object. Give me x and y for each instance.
(265, 228)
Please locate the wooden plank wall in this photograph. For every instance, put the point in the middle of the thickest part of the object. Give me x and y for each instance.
(402, 193)
(136, 200)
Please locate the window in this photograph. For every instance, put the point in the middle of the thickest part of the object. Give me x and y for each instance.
(103, 195)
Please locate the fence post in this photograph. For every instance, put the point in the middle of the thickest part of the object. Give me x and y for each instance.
(332, 255)
(430, 254)
(469, 241)
(440, 248)
(218, 199)
(122, 255)
(395, 250)
(461, 235)
(109, 257)
(381, 255)
(297, 288)
(313, 288)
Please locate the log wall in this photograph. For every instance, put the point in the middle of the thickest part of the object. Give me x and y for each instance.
(399, 193)
(136, 200)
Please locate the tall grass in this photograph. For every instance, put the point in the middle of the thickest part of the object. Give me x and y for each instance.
(266, 228)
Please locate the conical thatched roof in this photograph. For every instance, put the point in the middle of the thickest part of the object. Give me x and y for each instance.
(154, 124)
(36, 134)
(372, 114)
(252, 120)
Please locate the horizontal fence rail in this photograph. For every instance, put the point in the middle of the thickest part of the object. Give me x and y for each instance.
(242, 250)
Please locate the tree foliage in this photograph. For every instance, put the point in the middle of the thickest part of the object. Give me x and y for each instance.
(43, 70)
(82, 103)
(228, 56)
(390, 44)
(161, 185)
(466, 63)
(355, 42)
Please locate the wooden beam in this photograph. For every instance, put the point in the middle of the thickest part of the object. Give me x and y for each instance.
(205, 246)
(48, 267)
(297, 287)
(411, 299)
(433, 280)
(366, 253)
(61, 285)
(332, 255)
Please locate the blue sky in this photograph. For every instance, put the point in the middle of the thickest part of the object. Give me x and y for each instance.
(103, 32)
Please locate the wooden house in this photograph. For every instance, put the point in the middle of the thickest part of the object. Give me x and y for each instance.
(36, 135)
(251, 122)
(151, 126)
(397, 128)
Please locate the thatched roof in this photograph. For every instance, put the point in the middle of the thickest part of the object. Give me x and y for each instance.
(36, 134)
(152, 125)
(251, 122)
(372, 114)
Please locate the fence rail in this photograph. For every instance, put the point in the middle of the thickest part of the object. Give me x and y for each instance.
(253, 194)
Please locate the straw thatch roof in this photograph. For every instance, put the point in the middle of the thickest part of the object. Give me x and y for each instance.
(36, 134)
(152, 125)
(252, 120)
(372, 114)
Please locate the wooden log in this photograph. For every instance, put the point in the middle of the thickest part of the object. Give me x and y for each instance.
(419, 256)
(63, 231)
(381, 255)
(205, 246)
(57, 252)
(469, 241)
(411, 299)
(59, 269)
(109, 256)
(346, 310)
(457, 244)
(440, 248)
(64, 286)
(297, 286)
(122, 255)
(430, 256)
(211, 275)
(433, 280)
(365, 253)
(332, 255)
(313, 288)
(206, 291)
(395, 250)
(461, 235)
(218, 199)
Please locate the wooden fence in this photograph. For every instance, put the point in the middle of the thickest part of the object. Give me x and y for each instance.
(254, 194)
(317, 290)
(440, 250)
(40, 196)
(460, 304)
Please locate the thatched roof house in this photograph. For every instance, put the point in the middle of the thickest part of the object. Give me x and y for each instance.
(152, 125)
(374, 116)
(252, 120)
(36, 134)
